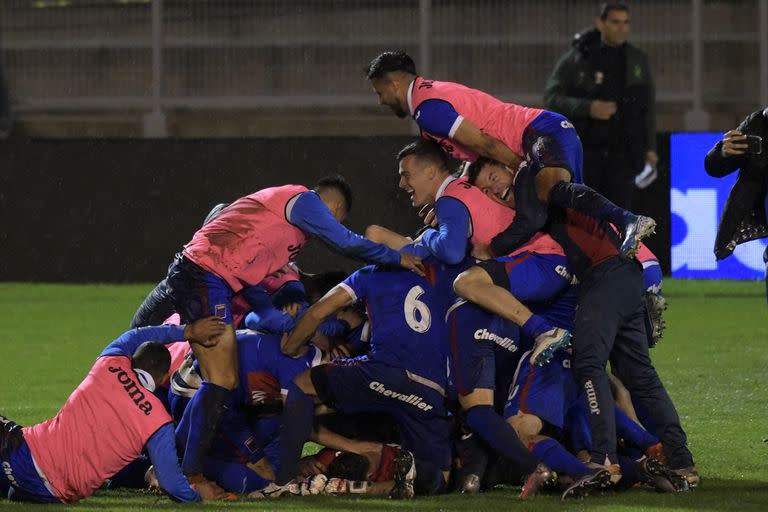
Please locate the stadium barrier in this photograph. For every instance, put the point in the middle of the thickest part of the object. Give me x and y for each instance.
(117, 210)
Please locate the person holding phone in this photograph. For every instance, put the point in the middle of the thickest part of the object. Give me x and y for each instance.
(744, 216)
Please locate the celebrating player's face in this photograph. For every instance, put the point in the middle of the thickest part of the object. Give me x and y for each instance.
(496, 182)
(386, 90)
(415, 179)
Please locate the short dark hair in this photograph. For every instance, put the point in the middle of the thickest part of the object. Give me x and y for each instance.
(339, 183)
(317, 285)
(350, 466)
(473, 169)
(426, 149)
(152, 357)
(388, 62)
(607, 7)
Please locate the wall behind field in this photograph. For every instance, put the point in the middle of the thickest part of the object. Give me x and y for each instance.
(118, 210)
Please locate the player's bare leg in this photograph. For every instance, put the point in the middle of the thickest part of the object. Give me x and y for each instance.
(219, 369)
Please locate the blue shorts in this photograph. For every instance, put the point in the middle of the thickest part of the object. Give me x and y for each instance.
(20, 480)
(551, 141)
(559, 311)
(547, 391)
(531, 277)
(366, 385)
(472, 339)
(197, 293)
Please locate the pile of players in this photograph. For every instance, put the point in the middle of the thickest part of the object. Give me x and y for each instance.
(473, 355)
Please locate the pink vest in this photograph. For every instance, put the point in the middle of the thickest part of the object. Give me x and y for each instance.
(490, 218)
(273, 283)
(503, 121)
(250, 239)
(103, 426)
(644, 254)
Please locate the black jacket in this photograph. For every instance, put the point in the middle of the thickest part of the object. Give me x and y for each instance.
(580, 77)
(743, 217)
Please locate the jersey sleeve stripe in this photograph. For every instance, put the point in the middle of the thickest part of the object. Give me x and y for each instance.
(455, 126)
(349, 290)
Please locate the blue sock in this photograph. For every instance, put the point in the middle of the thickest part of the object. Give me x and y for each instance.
(429, 478)
(536, 325)
(233, 477)
(628, 472)
(198, 425)
(500, 436)
(633, 433)
(296, 426)
(588, 201)
(558, 458)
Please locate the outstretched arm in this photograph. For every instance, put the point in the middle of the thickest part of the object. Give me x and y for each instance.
(162, 451)
(339, 297)
(312, 216)
(199, 331)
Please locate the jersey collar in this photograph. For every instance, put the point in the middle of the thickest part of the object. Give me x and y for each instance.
(410, 95)
(442, 188)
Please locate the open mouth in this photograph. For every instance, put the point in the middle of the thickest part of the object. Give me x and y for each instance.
(505, 193)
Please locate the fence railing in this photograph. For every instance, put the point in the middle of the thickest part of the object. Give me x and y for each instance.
(153, 55)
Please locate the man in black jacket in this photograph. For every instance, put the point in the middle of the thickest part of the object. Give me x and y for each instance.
(603, 84)
(744, 216)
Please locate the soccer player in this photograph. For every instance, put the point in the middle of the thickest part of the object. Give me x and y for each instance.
(496, 181)
(105, 424)
(404, 375)
(610, 322)
(469, 123)
(246, 241)
(467, 218)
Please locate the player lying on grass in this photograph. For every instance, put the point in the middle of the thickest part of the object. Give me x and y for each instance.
(105, 423)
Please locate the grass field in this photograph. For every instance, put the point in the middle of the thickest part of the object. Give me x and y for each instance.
(713, 360)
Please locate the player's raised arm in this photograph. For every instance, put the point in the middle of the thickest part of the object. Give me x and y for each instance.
(336, 299)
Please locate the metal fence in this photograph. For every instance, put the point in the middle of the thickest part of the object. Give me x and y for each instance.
(75, 55)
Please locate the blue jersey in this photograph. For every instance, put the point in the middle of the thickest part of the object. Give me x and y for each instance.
(407, 317)
(265, 371)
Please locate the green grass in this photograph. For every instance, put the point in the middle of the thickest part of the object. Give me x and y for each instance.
(713, 360)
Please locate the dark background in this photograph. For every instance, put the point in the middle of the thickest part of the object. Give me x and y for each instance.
(117, 210)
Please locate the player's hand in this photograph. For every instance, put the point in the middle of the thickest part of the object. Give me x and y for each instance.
(205, 331)
(209, 491)
(428, 212)
(411, 262)
(340, 351)
(602, 110)
(651, 158)
(733, 143)
(482, 252)
(150, 478)
(292, 309)
(309, 466)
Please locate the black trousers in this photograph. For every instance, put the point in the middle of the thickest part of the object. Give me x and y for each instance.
(610, 324)
(611, 173)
